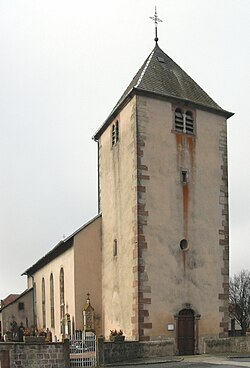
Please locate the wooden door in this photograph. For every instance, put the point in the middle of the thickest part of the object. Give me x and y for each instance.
(186, 332)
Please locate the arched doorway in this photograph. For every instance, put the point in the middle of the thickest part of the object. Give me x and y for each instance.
(186, 332)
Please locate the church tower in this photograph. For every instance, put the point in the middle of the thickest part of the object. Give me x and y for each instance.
(163, 195)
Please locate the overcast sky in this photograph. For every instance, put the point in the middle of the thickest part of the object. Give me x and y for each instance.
(63, 66)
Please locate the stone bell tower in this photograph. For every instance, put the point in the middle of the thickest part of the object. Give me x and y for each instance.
(163, 194)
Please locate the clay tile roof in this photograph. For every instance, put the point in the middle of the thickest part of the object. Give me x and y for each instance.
(9, 299)
(160, 75)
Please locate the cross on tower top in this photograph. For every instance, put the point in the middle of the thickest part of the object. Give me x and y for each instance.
(156, 20)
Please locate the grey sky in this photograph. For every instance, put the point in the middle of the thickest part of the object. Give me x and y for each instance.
(63, 66)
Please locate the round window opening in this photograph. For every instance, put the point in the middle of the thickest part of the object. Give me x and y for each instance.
(184, 244)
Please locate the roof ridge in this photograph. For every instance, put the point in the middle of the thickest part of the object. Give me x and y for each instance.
(145, 68)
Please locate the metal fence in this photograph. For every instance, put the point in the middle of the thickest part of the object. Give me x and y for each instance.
(83, 350)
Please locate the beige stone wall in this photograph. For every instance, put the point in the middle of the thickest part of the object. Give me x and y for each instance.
(34, 355)
(87, 258)
(117, 174)
(238, 345)
(174, 212)
(65, 261)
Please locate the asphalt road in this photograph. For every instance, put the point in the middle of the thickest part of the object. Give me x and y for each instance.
(182, 364)
(189, 364)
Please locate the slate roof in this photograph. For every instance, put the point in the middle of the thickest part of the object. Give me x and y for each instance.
(160, 75)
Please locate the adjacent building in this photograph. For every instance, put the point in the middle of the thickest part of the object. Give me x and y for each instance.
(17, 310)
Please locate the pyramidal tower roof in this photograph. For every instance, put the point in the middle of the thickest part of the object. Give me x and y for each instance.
(161, 76)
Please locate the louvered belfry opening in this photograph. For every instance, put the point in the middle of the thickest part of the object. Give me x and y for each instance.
(115, 133)
(184, 122)
(179, 121)
(189, 122)
(117, 130)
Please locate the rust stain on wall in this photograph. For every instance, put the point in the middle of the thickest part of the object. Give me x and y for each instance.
(179, 148)
(185, 191)
(184, 262)
(190, 142)
(185, 160)
(178, 138)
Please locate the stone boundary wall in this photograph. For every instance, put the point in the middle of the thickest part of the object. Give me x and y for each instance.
(111, 352)
(32, 355)
(228, 345)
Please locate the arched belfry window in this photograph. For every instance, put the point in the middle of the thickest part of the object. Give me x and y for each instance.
(178, 120)
(43, 304)
(189, 122)
(115, 133)
(52, 303)
(62, 304)
(184, 121)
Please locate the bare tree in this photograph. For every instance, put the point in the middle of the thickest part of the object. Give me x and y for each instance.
(239, 298)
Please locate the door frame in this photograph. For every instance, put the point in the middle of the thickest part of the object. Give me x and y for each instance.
(197, 317)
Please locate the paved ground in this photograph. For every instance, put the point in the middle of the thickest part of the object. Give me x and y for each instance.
(195, 361)
(218, 361)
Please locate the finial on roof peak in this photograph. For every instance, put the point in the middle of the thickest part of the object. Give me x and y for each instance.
(156, 20)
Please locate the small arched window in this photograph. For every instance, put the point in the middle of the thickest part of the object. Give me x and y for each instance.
(115, 248)
(189, 123)
(52, 305)
(115, 133)
(62, 304)
(43, 304)
(179, 121)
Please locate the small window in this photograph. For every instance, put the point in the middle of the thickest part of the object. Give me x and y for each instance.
(184, 244)
(115, 248)
(21, 306)
(184, 176)
(115, 133)
(161, 59)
